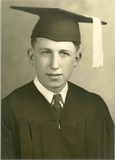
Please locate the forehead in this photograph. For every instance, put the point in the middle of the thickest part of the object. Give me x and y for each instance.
(51, 44)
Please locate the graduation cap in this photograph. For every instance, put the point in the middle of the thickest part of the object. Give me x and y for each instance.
(60, 25)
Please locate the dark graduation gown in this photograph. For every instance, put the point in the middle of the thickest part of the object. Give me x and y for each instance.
(30, 127)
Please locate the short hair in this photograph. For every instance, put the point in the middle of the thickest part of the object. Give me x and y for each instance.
(33, 41)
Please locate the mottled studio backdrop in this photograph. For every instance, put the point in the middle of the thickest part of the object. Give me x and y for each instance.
(16, 30)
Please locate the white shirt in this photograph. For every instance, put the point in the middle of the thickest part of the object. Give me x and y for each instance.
(48, 94)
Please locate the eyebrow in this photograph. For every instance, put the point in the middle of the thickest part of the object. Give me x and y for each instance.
(45, 49)
(64, 50)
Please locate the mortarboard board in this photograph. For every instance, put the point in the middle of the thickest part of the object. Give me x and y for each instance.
(61, 25)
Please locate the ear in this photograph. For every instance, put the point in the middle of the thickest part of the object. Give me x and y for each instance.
(31, 56)
(77, 58)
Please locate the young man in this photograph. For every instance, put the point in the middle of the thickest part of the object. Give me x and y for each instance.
(51, 118)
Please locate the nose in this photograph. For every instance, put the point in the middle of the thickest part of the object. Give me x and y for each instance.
(54, 61)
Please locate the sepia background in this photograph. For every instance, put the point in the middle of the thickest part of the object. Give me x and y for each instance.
(16, 31)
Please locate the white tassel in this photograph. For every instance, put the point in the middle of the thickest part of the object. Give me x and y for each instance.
(97, 43)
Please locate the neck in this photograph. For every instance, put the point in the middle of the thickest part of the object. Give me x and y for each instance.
(55, 89)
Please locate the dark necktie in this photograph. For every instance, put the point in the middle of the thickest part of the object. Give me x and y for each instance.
(57, 99)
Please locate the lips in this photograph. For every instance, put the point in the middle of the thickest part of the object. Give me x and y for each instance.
(54, 75)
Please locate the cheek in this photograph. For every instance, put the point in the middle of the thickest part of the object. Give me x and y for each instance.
(41, 63)
(68, 66)
(70, 63)
(37, 62)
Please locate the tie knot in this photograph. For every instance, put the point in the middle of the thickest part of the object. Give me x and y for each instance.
(56, 99)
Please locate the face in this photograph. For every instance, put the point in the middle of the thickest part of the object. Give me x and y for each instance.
(54, 62)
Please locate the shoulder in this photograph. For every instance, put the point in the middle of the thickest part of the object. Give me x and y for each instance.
(88, 104)
(21, 100)
(90, 101)
(20, 95)
(83, 93)
(21, 91)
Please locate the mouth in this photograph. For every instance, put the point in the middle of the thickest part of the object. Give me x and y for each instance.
(54, 76)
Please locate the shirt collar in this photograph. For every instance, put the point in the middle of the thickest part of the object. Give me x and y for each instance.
(48, 94)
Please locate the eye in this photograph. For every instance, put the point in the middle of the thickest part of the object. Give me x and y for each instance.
(46, 52)
(64, 53)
